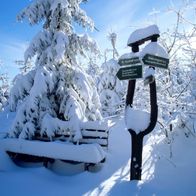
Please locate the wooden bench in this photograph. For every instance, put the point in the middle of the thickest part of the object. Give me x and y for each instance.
(91, 133)
(41, 149)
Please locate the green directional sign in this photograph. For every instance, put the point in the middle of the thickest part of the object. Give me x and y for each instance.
(129, 61)
(155, 61)
(130, 73)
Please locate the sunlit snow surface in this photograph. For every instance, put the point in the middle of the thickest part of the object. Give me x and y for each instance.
(161, 175)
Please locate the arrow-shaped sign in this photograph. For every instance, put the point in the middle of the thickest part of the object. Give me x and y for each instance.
(129, 61)
(155, 61)
(130, 73)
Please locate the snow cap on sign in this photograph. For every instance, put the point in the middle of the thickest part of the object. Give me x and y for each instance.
(143, 33)
(129, 55)
(155, 49)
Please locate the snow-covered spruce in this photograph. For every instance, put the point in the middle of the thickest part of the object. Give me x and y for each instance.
(57, 89)
(93, 70)
(4, 90)
(111, 89)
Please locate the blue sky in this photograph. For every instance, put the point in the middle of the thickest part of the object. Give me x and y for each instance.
(122, 16)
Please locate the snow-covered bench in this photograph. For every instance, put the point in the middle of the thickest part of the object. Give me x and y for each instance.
(89, 150)
(92, 132)
(88, 153)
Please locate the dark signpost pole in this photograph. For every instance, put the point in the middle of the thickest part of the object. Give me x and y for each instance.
(137, 138)
(131, 70)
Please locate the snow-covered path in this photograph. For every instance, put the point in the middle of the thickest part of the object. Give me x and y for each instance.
(161, 176)
(39, 181)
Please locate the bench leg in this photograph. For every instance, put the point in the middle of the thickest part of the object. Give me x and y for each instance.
(45, 163)
(86, 166)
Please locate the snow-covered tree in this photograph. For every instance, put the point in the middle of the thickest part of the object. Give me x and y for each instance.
(111, 89)
(112, 37)
(4, 88)
(57, 94)
(176, 86)
(93, 70)
(24, 66)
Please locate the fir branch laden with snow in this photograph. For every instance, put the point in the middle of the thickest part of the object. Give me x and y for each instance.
(58, 90)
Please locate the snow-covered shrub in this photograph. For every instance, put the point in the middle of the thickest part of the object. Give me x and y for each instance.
(93, 70)
(4, 90)
(111, 89)
(58, 90)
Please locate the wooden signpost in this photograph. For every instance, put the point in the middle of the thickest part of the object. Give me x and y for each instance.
(131, 70)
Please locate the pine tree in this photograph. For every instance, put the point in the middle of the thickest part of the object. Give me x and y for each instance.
(57, 94)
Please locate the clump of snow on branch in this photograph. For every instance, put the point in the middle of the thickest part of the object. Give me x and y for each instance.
(21, 88)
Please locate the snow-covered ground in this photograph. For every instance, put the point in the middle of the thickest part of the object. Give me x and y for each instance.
(161, 175)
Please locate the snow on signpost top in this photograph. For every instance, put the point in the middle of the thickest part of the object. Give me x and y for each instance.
(129, 55)
(142, 33)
